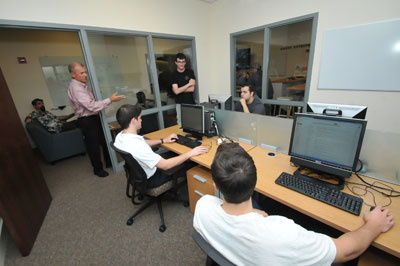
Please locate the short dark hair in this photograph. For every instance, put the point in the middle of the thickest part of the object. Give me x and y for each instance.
(256, 66)
(179, 56)
(125, 114)
(36, 100)
(234, 172)
(141, 97)
(251, 87)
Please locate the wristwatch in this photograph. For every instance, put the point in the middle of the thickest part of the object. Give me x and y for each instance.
(162, 141)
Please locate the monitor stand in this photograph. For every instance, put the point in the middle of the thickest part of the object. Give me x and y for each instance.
(197, 136)
(311, 173)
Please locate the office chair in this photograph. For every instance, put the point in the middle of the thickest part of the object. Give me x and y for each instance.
(213, 255)
(136, 186)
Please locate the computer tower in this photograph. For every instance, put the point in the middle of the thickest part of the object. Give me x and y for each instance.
(209, 119)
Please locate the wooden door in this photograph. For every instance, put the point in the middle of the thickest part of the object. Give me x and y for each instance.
(24, 196)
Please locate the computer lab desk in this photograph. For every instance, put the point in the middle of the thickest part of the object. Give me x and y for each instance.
(268, 170)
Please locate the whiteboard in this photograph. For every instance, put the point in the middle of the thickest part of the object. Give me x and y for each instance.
(57, 77)
(365, 57)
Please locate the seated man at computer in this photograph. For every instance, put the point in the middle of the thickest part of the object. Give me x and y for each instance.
(130, 120)
(249, 102)
(246, 236)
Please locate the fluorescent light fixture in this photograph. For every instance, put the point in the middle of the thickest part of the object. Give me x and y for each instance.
(209, 1)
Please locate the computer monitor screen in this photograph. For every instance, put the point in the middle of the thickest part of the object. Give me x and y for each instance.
(352, 111)
(325, 143)
(192, 118)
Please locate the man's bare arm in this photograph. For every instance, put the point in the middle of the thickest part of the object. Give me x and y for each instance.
(244, 105)
(189, 87)
(352, 244)
(166, 164)
(66, 117)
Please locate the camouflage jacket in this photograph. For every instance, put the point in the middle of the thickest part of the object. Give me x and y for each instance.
(48, 120)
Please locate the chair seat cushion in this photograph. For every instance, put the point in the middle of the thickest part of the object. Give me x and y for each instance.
(154, 192)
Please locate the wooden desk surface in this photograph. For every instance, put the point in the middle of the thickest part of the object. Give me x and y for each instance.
(299, 87)
(114, 125)
(268, 170)
(204, 159)
(287, 80)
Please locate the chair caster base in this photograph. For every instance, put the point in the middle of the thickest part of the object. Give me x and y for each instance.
(129, 222)
(162, 228)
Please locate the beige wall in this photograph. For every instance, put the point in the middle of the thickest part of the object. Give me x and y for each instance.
(26, 81)
(211, 24)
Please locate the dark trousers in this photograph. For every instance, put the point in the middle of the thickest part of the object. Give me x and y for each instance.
(69, 125)
(161, 177)
(94, 138)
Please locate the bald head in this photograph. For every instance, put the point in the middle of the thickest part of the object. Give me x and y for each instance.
(78, 72)
(71, 67)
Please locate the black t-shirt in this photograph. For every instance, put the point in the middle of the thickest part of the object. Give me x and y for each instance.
(181, 79)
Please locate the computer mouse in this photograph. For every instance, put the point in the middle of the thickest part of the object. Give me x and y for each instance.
(174, 139)
(372, 208)
(272, 154)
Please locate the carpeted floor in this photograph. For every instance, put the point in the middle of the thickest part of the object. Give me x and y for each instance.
(86, 224)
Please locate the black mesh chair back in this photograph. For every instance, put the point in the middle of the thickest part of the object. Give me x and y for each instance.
(137, 181)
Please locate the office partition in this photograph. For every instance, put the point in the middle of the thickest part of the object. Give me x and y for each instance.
(379, 154)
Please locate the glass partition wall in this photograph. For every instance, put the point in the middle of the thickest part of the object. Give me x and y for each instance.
(121, 65)
(276, 59)
(165, 50)
(138, 66)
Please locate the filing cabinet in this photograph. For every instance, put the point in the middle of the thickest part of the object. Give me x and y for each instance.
(199, 183)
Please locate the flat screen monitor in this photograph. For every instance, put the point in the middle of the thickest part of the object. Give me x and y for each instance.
(224, 100)
(328, 144)
(192, 119)
(353, 111)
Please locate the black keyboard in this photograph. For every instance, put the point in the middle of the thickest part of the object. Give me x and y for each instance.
(320, 190)
(188, 142)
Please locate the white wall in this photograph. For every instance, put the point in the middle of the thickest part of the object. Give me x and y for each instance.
(244, 14)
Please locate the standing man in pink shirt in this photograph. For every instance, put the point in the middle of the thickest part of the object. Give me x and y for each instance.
(86, 109)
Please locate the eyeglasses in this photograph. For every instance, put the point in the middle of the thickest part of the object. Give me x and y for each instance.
(181, 62)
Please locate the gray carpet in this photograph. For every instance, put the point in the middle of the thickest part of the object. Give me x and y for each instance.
(86, 224)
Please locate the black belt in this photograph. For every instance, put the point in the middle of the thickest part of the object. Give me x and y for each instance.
(87, 117)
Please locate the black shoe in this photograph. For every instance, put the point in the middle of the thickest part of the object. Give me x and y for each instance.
(101, 173)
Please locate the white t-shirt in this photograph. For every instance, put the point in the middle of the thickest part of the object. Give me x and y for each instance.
(252, 239)
(140, 150)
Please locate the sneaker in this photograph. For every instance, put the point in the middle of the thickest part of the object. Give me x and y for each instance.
(101, 173)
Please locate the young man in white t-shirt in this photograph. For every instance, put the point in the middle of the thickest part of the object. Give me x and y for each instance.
(130, 120)
(247, 236)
